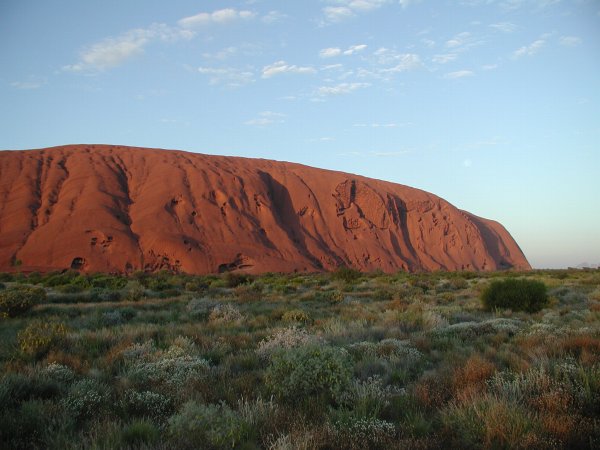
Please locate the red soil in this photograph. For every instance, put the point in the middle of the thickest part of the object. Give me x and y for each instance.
(120, 209)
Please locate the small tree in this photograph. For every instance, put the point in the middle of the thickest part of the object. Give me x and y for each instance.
(515, 294)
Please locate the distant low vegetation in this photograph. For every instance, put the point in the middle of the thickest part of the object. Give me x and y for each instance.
(299, 361)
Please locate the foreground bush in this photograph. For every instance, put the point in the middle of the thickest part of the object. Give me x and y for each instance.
(515, 294)
(309, 371)
(20, 299)
(207, 426)
(38, 337)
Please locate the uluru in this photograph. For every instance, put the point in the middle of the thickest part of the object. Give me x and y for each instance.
(104, 208)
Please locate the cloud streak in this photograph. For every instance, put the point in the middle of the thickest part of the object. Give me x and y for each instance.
(347, 9)
(570, 41)
(529, 50)
(228, 76)
(340, 89)
(459, 74)
(332, 52)
(281, 67)
(220, 17)
(28, 85)
(266, 118)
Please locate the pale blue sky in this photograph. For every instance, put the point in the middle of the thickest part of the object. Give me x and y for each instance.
(492, 105)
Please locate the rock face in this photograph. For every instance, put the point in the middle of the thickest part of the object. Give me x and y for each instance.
(121, 209)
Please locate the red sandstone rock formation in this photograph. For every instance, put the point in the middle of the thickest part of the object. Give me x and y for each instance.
(121, 209)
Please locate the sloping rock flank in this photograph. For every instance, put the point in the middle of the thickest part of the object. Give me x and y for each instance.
(122, 209)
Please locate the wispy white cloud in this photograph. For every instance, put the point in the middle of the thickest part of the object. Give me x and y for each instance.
(221, 16)
(405, 62)
(266, 118)
(281, 67)
(332, 67)
(570, 41)
(462, 42)
(346, 9)
(378, 154)
(334, 14)
(445, 58)
(354, 49)
(489, 66)
(386, 63)
(335, 51)
(380, 125)
(274, 17)
(114, 51)
(400, 61)
(29, 84)
(407, 3)
(222, 54)
(459, 74)
(330, 52)
(511, 5)
(340, 89)
(505, 27)
(389, 154)
(243, 49)
(227, 76)
(322, 139)
(529, 50)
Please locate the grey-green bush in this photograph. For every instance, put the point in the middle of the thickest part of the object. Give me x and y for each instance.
(207, 426)
(309, 371)
(515, 294)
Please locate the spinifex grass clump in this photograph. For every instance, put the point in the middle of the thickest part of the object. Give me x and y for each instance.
(515, 294)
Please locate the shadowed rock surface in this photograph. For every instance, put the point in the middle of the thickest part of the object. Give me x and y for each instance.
(120, 209)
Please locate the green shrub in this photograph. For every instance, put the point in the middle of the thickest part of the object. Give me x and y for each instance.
(174, 367)
(309, 371)
(70, 288)
(16, 388)
(6, 276)
(146, 404)
(225, 313)
(108, 282)
(159, 284)
(235, 279)
(18, 300)
(295, 315)
(346, 274)
(58, 373)
(488, 422)
(249, 292)
(197, 285)
(207, 426)
(24, 427)
(138, 433)
(135, 291)
(284, 339)
(354, 432)
(515, 294)
(54, 279)
(87, 399)
(200, 308)
(39, 336)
